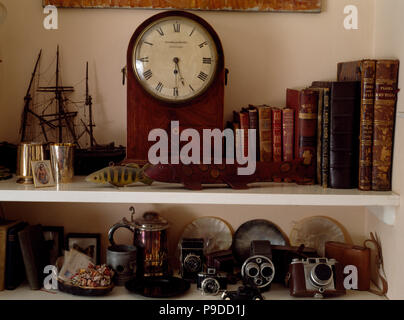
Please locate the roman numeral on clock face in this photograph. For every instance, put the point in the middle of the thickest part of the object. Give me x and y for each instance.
(160, 31)
(203, 76)
(207, 60)
(203, 44)
(145, 59)
(177, 27)
(148, 74)
(159, 87)
(175, 92)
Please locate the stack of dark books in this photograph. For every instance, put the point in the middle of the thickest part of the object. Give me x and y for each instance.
(356, 126)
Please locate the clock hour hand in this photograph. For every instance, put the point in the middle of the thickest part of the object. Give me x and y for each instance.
(177, 68)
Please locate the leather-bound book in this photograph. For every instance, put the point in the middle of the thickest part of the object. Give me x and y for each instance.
(265, 133)
(384, 122)
(288, 126)
(15, 270)
(244, 126)
(325, 131)
(344, 134)
(293, 101)
(308, 130)
(277, 134)
(35, 255)
(253, 124)
(368, 68)
(319, 132)
(4, 227)
(349, 71)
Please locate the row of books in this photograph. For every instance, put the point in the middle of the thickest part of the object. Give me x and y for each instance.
(23, 255)
(345, 128)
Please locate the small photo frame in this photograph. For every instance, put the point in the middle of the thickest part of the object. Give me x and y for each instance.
(87, 243)
(54, 242)
(42, 173)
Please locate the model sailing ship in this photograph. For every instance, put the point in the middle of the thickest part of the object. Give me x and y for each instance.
(54, 119)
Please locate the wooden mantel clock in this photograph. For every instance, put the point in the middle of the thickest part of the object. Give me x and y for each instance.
(175, 73)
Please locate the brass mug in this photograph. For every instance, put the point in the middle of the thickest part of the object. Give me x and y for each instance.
(62, 161)
(26, 153)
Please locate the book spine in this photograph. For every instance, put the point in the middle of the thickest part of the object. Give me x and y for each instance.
(344, 135)
(3, 239)
(293, 101)
(308, 130)
(288, 118)
(277, 134)
(325, 153)
(265, 134)
(253, 124)
(366, 124)
(384, 121)
(244, 126)
(28, 255)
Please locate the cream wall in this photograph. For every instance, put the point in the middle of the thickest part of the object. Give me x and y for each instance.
(388, 43)
(266, 53)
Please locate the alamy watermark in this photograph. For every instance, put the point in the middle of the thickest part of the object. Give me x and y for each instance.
(51, 21)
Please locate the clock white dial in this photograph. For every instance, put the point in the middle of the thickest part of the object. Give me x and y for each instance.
(175, 59)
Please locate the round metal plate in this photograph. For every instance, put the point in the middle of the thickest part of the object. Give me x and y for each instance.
(256, 230)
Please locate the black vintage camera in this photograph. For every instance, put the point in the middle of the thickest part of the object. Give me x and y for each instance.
(211, 283)
(192, 258)
(258, 270)
(243, 293)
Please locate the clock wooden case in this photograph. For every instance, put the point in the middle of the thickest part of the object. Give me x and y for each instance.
(147, 111)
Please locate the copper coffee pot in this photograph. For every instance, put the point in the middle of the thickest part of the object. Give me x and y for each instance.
(150, 238)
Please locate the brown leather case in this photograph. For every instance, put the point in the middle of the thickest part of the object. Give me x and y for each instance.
(344, 133)
(384, 122)
(288, 119)
(357, 256)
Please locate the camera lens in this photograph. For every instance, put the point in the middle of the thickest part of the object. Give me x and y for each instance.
(266, 270)
(210, 286)
(321, 274)
(252, 269)
(192, 263)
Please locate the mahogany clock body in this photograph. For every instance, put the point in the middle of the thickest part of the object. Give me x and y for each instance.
(145, 112)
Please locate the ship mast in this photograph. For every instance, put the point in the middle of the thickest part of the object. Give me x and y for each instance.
(89, 103)
(28, 100)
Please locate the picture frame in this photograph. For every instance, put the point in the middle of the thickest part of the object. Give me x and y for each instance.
(87, 243)
(54, 239)
(42, 174)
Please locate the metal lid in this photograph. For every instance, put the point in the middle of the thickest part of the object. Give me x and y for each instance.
(151, 221)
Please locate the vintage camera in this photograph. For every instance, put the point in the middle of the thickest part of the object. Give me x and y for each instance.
(222, 261)
(258, 270)
(192, 258)
(244, 293)
(316, 277)
(211, 283)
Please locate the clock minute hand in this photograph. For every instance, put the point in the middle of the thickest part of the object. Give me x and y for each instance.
(176, 61)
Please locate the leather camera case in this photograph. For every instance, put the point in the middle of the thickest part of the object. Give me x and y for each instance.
(297, 282)
(222, 261)
(357, 256)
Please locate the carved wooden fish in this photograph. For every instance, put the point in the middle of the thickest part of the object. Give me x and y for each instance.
(194, 176)
(120, 176)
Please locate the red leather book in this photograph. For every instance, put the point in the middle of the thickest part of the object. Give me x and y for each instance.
(244, 126)
(384, 123)
(288, 125)
(265, 133)
(277, 134)
(253, 124)
(293, 101)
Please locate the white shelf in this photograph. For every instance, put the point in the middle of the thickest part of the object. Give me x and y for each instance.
(277, 292)
(382, 204)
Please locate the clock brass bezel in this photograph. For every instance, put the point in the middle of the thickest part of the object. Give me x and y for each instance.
(203, 25)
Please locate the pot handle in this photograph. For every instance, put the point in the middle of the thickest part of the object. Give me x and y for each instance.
(116, 227)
